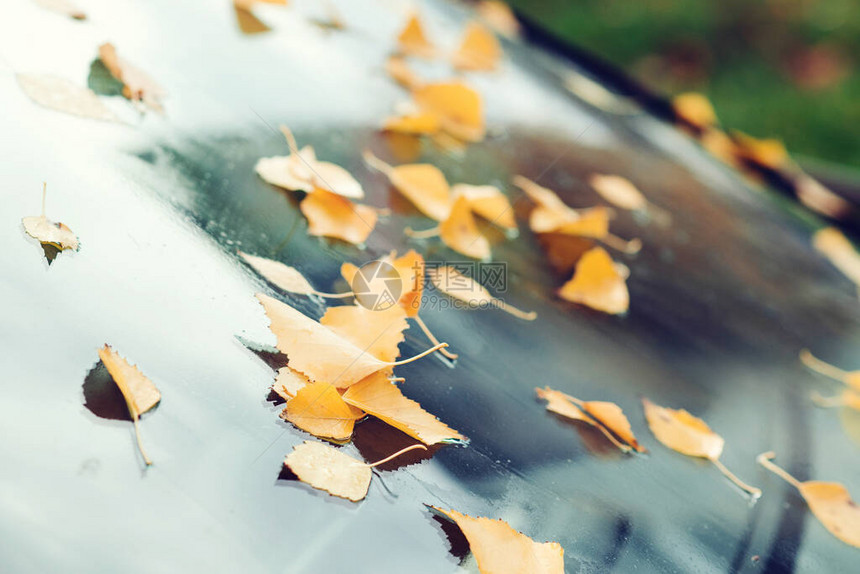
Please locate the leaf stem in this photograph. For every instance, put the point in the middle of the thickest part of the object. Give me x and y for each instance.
(424, 234)
(445, 353)
(764, 459)
(291, 141)
(524, 315)
(393, 456)
(630, 247)
(44, 193)
(334, 295)
(418, 356)
(822, 368)
(146, 458)
(827, 402)
(751, 490)
(376, 163)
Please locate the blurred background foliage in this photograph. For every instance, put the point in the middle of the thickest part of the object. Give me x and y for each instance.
(772, 68)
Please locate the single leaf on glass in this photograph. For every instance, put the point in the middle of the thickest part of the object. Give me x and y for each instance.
(606, 417)
(319, 409)
(412, 40)
(458, 107)
(326, 468)
(849, 397)
(597, 283)
(288, 383)
(378, 396)
(487, 201)
(137, 85)
(451, 282)
(829, 502)
(285, 277)
(139, 392)
(47, 232)
(833, 244)
(460, 232)
(379, 332)
(63, 96)
(421, 183)
(64, 7)
(695, 108)
(479, 49)
(770, 153)
(618, 191)
(499, 549)
(318, 352)
(331, 215)
(689, 435)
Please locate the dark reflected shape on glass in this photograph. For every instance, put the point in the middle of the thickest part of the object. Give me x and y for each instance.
(51, 252)
(287, 474)
(275, 398)
(101, 81)
(102, 397)
(458, 544)
(594, 440)
(621, 535)
(406, 148)
(563, 251)
(376, 440)
(248, 23)
(272, 357)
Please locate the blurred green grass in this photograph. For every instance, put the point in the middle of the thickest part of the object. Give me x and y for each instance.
(772, 68)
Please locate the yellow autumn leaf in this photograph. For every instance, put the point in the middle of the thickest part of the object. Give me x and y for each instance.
(597, 283)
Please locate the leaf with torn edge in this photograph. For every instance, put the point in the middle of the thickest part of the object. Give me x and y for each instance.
(605, 416)
(331, 215)
(499, 549)
(139, 392)
(689, 435)
(479, 50)
(319, 409)
(451, 282)
(47, 232)
(598, 283)
(377, 332)
(378, 396)
(318, 352)
(326, 468)
(138, 85)
(289, 382)
(63, 96)
(829, 502)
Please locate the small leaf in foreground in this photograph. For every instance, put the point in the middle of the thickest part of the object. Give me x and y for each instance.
(138, 86)
(499, 549)
(139, 392)
(319, 409)
(606, 417)
(689, 435)
(830, 502)
(326, 468)
(47, 232)
(597, 283)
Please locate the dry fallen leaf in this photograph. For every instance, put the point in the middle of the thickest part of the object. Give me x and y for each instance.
(139, 392)
(412, 41)
(400, 72)
(487, 201)
(479, 49)
(850, 397)
(331, 215)
(689, 435)
(833, 244)
(770, 153)
(319, 409)
(451, 282)
(285, 277)
(597, 283)
(301, 171)
(618, 191)
(419, 123)
(499, 17)
(64, 7)
(137, 85)
(499, 549)
(64, 96)
(695, 108)
(378, 332)
(458, 107)
(48, 232)
(605, 416)
(421, 183)
(289, 382)
(326, 468)
(381, 398)
(318, 352)
(830, 502)
(460, 232)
